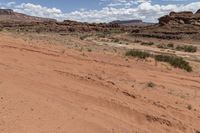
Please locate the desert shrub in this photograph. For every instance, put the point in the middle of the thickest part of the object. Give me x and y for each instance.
(84, 37)
(162, 46)
(166, 46)
(89, 50)
(177, 62)
(151, 84)
(189, 107)
(170, 45)
(159, 36)
(138, 54)
(179, 48)
(36, 30)
(112, 31)
(115, 31)
(187, 48)
(190, 48)
(137, 41)
(101, 34)
(147, 43)
(116, 40)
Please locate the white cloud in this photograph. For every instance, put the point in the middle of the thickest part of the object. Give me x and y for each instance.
(38, 10)
(144, 10)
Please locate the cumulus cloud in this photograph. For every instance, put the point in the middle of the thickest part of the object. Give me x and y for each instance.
(38, 10)
(144, 10)
(125, 3)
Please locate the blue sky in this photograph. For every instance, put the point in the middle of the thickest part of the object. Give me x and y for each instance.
(100, 10)
(72, 5)
(64, 5)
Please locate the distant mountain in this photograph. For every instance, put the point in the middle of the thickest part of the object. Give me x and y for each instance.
(9, 15)
(130, 22)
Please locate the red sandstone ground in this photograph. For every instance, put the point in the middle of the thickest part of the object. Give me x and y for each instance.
(53, 89)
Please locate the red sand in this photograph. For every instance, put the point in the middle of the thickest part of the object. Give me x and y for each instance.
(44, 90)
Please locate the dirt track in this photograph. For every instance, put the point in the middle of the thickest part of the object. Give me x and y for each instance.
(47, 89)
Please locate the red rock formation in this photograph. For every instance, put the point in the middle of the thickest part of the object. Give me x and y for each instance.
(178, 18)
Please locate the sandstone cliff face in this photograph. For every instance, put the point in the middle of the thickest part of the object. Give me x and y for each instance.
(177, 18)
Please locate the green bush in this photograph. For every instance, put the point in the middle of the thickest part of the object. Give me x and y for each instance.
(187, 48)
(190, 48)
(138, 54)
(175, 61)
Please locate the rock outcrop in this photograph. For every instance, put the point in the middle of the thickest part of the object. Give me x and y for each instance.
(177, 18)
(8, 15)
(6, 12)
(198, 11)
